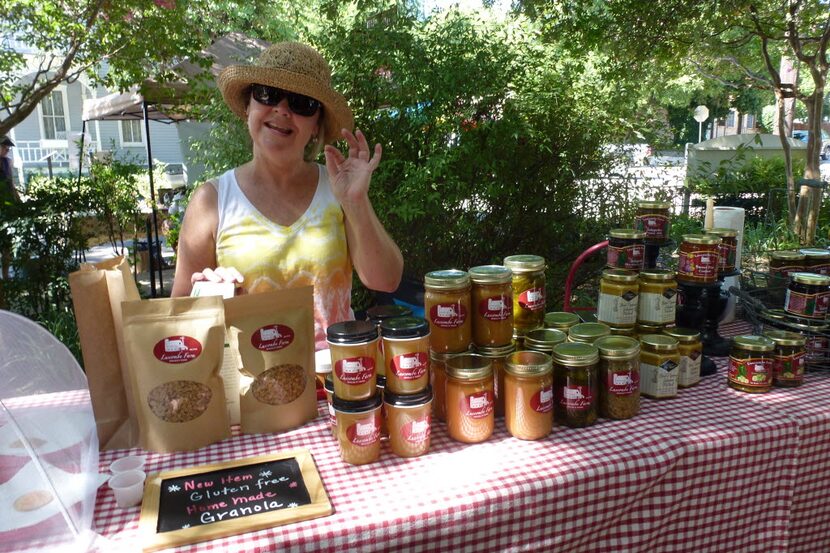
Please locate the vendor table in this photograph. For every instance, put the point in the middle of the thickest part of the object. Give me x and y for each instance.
(711, 470)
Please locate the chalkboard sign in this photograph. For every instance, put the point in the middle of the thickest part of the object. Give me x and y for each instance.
(206, 502)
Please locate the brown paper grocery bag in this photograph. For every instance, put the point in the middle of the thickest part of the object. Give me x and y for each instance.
(97, 292)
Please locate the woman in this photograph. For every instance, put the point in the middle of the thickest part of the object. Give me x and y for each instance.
(281, 220)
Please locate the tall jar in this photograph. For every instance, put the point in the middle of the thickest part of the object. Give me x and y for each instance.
(406, 343)
(447, 308)
(497, 355)
(358, 429)
(699, 259)
(409, 422)
(619, 377)
(469, 397)
(379, 313)
(492, 303)
(544, 339)
(438, 380)
(653, 218)
(728, 249)
(626, 249)
(588, 333)
(658, 297)
(751, 364)
(575, 384)
(690, 350)
(808, 296)
(784, 263)
(354, 359)
(528, 291)
(659, 362)
(561, 320)
(618, 293)
(528, 386)
(789, 359)
(816, 261)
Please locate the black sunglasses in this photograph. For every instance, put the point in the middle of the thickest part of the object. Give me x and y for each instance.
(297, 103)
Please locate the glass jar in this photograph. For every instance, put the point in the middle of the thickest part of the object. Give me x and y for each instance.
(575, 384)
(728, 249)
(691, 354)
(497, 355)
(406, 343)
(644, 329)
(528, 291)
(409, 422)
(789, 358)
(447, 308)
(358, 429)
(561, 320)
(587, 333)
(492, 302)
(659, 361)
(379, 313)
(329, 388)
(619, 377)
(782, 264)
(698, 259)
(630, 332)
(653, 218)
(438, 380)
(816, 261)
(354, 354)
(618, 293)
(528, 386)
(544, 339)
(626, 249)
(808, 295)
(470, 398)
(658, 297)
(751, 363)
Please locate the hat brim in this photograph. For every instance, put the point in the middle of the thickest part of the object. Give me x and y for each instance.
(235, 80)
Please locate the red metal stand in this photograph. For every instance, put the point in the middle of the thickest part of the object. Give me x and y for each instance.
(566, 303)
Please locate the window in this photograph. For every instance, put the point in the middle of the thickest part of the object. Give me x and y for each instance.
(53, 116)
(750, 121)
(131, 132)
(730, 119)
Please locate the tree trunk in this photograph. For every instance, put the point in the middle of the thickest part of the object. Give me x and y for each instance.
(810, 200)
(789, 77)
(781, 131)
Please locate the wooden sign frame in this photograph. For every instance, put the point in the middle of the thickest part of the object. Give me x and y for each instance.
(152, 540)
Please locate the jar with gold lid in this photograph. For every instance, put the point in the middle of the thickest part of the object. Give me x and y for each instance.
(470, 398)
(691, 354)
(653, 218)
(497, 355)
(659, 362)
(544, 339)
(561, 320)
(816, 261)
(575, 384)
(528, 390)
(528, 291)
(751, 364)
(626, 249)
(783, 263)
(699, 259)
(728, 249)
(658, 297)
(619, 377)
(492, 305)
(808, 296)
(447, 308)
(587, 333)
(789, 359)
(618, 293)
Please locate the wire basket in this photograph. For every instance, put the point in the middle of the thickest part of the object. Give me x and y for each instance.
(761, 299)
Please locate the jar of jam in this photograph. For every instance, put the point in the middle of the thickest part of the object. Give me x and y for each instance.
(354, 354)
(619, 377)
(751, 363)
(626, 249)
(409, 421)
(544, 339)
(561, 320)
(497, 355)
(618, 293)
(808, 295)
(358, 428)
(438, 380)
(816, 261)
(653, 218)
(528, 291)
(691, 354)
(658, 297)
(789, 358)
(447, 308)
(782, 264)
(728, 250)
(329, 388)
(470, 398)
(406, 343)
(528, 386)
(659, 362)
(698, 259)
(587, 333)
(379, 313)
(575, 384)
(492, 303)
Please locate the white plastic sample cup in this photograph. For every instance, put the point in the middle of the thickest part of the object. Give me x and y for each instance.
(130, 462)
(128, 487)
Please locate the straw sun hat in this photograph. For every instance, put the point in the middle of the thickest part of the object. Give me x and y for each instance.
(294, 67)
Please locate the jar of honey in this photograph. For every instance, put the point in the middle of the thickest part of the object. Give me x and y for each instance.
(699, 259)
(619, 377)
(528, 386)
(808, 296)
(727, 250)
(658, 297)
(492, 301)
(544, 339)
(659, 362)
(438, 381)
(653, 219)
(409, 421)
(354, 353)
(626, 249)
(789, 359)
(447, 308)
(690, 350)
(379, 313)
(588, 332)
(618, 293)
(751, 364)
(816, 261)
(528, 291)
(406, 343)
(470, 398)
(358, 428)
(575, 384)
(784, 263)
(561, 320)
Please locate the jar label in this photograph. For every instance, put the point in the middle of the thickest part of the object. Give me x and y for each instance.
(448, 315)
(727, 255)
(813, 306)
(417, 431)
(789, 368)
(654, 225)
(272, 337)
(784, 272)
(657, 308)
(627, 257)
(542, 401)
(689, 369)
(364, 432)
(532, 299)
(496, 308)
(619, 310)
(355, 370)
(576, 397)
(659, 380)
(820, 269)
(751, 372)
(623, 383)
(701, 264)
(410, 366)
(478, 405)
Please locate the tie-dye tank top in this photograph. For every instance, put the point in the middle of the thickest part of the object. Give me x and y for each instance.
(312, 251)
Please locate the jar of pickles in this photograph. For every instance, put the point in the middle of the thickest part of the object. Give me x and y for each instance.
(497, 355)
(354, 353)
(727, 250)
(816, 261)
(653, 219)
(469, 398)
(588, 332)
(492, 305)
(659, 362)
(618, 293)
(575, 384)
(751, 364)
(544, 339)
(808, 296)
(528, 291)
(658, 297)
(409, 422)
(358, 429)
(619, 377)
(447, 308)
(528, 387)
(406, 344)
(789, 358)
(690, 350)
(561, 320)
(782, 264)
(626, 249)
(699, 259)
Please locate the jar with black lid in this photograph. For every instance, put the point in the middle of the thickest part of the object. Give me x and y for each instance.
(750, 364)
(789, 359)
(816, 261)
(653, 219)
(808, 295)
(575, 384)
(626, 249)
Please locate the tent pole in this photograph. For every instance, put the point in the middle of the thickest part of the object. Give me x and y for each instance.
(154, 246)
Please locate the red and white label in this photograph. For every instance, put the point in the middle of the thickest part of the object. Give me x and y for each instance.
(655, 226)
(478, 405)
(496, 308)
(448, 315)
(272, 337)
(789, 368)
(532, 299)
(813, 306)
(365, 432)
(355, 370)
(751, 372)
(623, 383)
(410, 366)
(177, 349)
(417, 431)
(698, 264)
(576, 397)
(542, 401)
(627, 257)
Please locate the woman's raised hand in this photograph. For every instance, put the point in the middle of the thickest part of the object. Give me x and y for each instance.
(350, 176)
(219, 274)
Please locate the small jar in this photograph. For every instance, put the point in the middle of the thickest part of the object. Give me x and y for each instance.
(699, 259)
(544, 339)
(784, 263)
(406, 343)
(728, 249)
(438, 380)
(816, 261)
(618, 293)
(497, 355)
(358, 429)
(354, 354)
(528, 291)
(626, 249)
(447, 308)
(653, 218)
(619, 377)
(659, 361)
(528, 386)
(658, 297)
(751, 363)
(470, 398)
(329, 388)
(789, 358)
(409, 422)
(691, 354)
(561, 320)
(587, 333)
(379, 313)
(808, 296)
(492, 301)
(575, 384)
